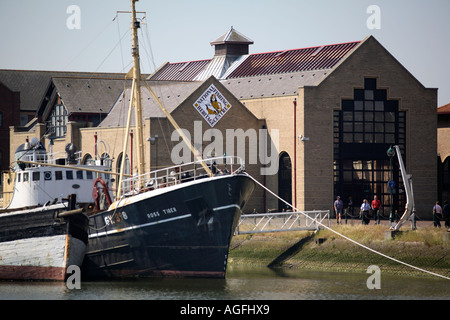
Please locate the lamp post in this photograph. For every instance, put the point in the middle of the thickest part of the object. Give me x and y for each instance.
(391, 153)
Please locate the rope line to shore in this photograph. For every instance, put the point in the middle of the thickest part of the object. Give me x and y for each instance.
(345, 237)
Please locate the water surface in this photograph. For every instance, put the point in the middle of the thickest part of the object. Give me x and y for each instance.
(242, 283)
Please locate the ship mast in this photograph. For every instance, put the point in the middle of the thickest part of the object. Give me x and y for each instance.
(135, 100)
(137, 93)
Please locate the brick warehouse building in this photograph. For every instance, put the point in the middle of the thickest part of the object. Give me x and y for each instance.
(336, 110)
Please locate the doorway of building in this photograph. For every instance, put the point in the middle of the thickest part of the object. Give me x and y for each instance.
(444, 180)
(284, 181)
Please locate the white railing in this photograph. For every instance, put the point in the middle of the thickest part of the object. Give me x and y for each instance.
(283, 221)
(181, 173)
(49, 158)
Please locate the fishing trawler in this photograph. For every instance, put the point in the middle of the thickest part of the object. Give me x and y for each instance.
(176, 221)
(44, 227)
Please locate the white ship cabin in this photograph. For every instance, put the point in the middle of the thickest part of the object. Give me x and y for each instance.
(40, 185)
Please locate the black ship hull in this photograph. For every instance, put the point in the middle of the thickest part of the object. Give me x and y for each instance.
(183, 230)
(41, 243)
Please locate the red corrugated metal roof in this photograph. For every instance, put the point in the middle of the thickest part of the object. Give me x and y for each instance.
(315, 58)
(288, 61)
(181, 71)
(445, 109)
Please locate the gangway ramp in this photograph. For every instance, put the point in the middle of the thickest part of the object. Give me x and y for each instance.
(282, 221)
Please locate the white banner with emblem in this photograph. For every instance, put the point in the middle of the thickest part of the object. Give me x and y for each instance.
(212, 105)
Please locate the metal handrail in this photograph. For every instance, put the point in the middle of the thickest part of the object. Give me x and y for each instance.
(282, 221)
(49, 158)
(181, 173)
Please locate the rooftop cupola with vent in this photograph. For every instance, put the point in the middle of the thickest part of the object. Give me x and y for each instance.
(232, 43)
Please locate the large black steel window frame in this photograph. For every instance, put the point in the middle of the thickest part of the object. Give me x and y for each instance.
(364, 129)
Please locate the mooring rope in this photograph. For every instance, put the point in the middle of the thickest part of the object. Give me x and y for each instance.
(345, 237)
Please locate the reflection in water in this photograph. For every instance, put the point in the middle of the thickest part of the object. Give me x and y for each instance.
(242, 283)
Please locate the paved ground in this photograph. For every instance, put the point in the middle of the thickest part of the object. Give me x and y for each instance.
(419, 223)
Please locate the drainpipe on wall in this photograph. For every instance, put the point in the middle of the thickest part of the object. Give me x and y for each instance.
(95, 145)
(264, 176)
(295, 153)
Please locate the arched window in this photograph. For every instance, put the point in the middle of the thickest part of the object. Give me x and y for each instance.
(105, 160)
(87, 159)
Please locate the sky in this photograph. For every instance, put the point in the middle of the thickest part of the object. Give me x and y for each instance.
(87, 35)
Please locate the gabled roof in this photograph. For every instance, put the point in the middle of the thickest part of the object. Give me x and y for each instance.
(171, 94)
(261, 64)
(80, 95)
(33, 85)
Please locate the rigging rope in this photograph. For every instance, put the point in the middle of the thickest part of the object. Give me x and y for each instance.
(94, 40)
(345, 237)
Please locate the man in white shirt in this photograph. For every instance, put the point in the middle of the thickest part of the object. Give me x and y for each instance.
(365, 208)
(437, 215)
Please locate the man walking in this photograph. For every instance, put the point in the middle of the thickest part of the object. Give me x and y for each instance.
(376, 205)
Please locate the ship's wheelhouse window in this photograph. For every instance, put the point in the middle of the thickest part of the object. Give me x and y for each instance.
(80, 175)
(69, 175)
(89, 175)
(58, 175)
(19, 175)
(36, 176)
(25, 176)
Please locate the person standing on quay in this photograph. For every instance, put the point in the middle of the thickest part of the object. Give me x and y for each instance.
(365, 207)
(437, 215)
(376, 205)
(338, 206)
